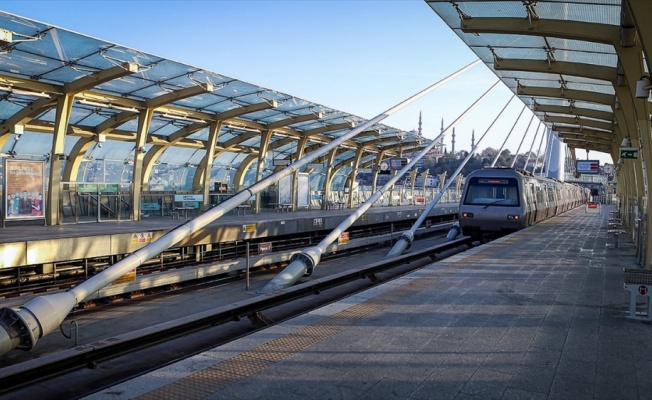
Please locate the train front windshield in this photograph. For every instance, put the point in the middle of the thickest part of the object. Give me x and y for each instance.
(495, 191)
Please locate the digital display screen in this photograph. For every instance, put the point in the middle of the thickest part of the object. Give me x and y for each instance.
(493, 181)
(588, 167)
(398, 163)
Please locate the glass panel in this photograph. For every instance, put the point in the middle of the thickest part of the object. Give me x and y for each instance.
(501, 192)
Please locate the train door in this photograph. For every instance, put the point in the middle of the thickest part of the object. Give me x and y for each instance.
(552, 204)
(561, 199)
(540, 203)
(546, 205)
(532, 204)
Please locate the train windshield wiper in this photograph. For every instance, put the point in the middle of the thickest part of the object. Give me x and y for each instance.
(492, 203)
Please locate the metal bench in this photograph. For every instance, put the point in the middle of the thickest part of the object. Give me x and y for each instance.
(336, 205)
(241, 207)
(638, 282)
(283, 208)
(178, 210)
(616, 232)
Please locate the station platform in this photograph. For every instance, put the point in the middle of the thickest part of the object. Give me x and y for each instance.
(15, 231)
(539, 314)
(28, 243)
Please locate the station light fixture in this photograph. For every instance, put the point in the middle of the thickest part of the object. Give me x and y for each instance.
(106, 105)
(643, 87)
(182, 118)
(22, 92)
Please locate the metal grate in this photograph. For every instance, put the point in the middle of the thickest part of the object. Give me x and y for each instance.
(638, 277)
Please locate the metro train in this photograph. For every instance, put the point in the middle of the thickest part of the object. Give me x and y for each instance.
(498, 201)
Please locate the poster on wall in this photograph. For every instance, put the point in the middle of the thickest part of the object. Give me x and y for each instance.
(303, 192)
(24, 189)
(285, 190)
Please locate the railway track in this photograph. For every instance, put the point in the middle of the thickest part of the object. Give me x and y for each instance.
(87, 368)
(22, 281)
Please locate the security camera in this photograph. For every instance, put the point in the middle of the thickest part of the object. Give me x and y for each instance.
(643, 88)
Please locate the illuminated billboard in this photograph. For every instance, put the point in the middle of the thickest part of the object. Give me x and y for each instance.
(588, 167)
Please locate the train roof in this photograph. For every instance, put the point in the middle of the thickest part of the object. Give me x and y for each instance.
(499, 171)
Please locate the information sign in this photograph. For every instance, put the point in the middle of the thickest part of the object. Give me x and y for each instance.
(264, 248)
(628, 153)
(588, 167)
(126, 278)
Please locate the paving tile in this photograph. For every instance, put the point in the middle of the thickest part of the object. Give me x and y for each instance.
(444, 383)
(521, 394)
(564, 388)
(390, 389)
(533, 378)
(487, 384)
(507, 362)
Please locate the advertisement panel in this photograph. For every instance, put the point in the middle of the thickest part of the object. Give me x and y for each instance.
(303, 191)
(24, 189)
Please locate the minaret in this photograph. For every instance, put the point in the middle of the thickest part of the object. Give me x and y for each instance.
(453, 144)
(420, 132)
(442, 126)
(472, 139)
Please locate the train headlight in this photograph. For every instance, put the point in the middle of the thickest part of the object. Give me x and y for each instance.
(467, 215)
(513, 217)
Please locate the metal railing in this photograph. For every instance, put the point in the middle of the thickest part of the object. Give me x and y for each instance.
(82, 202)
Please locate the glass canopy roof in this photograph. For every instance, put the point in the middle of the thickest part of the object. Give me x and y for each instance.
(547, 71)
(42, 61)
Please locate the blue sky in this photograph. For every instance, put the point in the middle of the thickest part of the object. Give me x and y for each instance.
(361, 57)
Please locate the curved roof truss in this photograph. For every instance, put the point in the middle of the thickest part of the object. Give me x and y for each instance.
(575, 63)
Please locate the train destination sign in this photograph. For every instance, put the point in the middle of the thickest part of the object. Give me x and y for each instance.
(629, 152)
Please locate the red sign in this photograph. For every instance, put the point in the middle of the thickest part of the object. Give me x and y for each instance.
(593, 205)
(642, 290)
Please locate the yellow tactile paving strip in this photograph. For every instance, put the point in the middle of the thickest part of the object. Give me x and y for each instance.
(202, 383)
